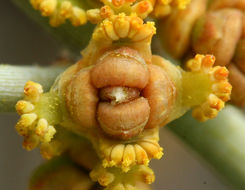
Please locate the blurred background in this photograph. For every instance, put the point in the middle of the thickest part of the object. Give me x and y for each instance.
(23, 42)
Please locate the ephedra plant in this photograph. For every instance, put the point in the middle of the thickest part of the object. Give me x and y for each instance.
(104, 111)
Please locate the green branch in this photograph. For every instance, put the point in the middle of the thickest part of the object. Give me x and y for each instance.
(220, 141)
(13, 79)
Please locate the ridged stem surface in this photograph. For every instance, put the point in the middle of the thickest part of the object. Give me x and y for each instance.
(13, 79)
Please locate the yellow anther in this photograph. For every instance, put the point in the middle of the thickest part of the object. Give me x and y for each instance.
(32, 91)
(47, 7)
(142, 8)
(215, 102)
(23, 107)
(129, 156)
(66, 9)
(153, 150)
(106, 179)
(42, 127)
(146, 174)
(222, 87)
(145, 32)
(122, 26)
(25, 123)
(106, 12)
(204, 112)
(196, 63)
(30, 142)
(49, 134)
(141, 155)
(60, 11)
(220, 73)
(149, 179)
(78, 16)
(117, 153)
(110, 31)
(94, 15)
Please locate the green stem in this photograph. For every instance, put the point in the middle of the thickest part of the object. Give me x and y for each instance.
(13, 79)
(220, 141)
(75, 38)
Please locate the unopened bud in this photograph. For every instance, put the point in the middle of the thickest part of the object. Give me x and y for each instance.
(217, 33)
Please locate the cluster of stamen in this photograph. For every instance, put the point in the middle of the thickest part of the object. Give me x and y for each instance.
(35, 130)
(220, 87)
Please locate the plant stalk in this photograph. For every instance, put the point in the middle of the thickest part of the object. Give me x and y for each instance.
(220, 141)
(13, 79)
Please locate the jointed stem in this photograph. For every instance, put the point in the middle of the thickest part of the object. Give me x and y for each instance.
(220, 141)
(13, 79)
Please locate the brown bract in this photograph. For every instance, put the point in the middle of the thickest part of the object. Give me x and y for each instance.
(124, 120)
(81, 98)
(118, 69)
(217, 33)
(120, 94)
(160, 92)
(176, 29)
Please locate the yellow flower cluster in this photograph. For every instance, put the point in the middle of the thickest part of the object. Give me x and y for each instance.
(202, 28)
(59, 10)
(113, 178)
(34, 129)
(126, 155)
(220, 87)
(79, 12)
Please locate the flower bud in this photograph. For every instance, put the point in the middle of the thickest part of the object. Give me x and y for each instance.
(175, 30)
(217, 33)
